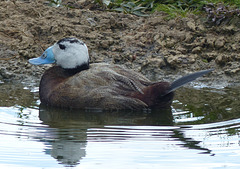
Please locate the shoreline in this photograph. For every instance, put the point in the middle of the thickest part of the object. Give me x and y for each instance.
(158, 48)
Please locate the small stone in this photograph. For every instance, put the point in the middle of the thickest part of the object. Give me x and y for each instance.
(170, 43)
(210, 40)
(182, 50)
(219, 60)
(219, 43)
(223, 59)
(92, 21)
(197, 49)
(159, 62)
(173, 60)
(191, 25)
(235, 46)
(235, 70)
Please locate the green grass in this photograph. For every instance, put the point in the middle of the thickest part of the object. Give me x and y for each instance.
(172, 7)
(220, 10)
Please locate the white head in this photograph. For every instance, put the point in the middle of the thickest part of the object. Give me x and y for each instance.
(69, 53)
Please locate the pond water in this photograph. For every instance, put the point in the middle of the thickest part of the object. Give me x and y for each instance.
(200, 130)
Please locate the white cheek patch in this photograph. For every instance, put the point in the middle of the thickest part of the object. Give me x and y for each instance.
(71, 55)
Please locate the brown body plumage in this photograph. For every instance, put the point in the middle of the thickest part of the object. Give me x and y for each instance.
(102, 86)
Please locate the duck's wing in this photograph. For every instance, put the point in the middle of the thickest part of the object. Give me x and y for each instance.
(103, 85)
(124, 80)
(114, 76)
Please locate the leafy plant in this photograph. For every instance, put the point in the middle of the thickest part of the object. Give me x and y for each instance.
(55, 3)
(140, 7)
(131, 8)
(172, 7)
(220, 14)
(217, 12)
(172, 10)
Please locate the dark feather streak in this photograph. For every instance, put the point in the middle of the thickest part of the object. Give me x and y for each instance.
(71, 40)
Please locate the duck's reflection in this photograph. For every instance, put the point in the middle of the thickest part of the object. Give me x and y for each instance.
(88, 118)
(68, 128)
(68, 152)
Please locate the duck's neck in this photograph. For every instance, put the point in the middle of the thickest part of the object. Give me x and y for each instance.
(77, 69)
(53, 77)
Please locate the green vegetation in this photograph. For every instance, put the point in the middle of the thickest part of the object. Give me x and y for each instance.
(217, 11)
(220, 13)
(55, 3)
(174, 8)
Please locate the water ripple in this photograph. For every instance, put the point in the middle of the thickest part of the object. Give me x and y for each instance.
(189, 135)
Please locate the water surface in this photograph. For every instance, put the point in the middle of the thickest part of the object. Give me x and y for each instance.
(200, 130)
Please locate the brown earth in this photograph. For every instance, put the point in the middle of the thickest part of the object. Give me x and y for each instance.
(153, 45)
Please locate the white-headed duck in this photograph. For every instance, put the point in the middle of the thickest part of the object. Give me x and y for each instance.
(74, 83)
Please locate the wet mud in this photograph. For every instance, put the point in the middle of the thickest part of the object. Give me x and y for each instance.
(160, 48)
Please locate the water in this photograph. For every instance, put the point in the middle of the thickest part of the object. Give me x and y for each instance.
(200, 130)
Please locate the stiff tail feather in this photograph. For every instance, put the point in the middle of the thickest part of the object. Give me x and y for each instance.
(185, 79)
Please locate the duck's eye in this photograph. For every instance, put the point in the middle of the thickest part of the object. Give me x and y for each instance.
(44, 55)
(61, 46)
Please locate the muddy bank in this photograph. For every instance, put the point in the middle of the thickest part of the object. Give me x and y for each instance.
(158, 48)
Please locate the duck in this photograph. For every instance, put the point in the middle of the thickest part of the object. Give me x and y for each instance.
(76, 84)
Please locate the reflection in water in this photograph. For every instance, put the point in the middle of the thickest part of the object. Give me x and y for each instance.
(76, 127)
(207, 105)
(58, 118)
(200, 129)
(67, 152)
(189, 142)
(70, 139)
(18, 94)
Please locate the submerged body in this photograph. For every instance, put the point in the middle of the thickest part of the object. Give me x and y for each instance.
(73, 83)
(102, 86)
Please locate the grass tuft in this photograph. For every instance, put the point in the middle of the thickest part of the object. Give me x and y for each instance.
(217, 11)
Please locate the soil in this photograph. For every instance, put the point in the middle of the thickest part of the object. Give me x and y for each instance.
(160, 48)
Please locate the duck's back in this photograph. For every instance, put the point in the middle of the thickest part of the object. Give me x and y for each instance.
(101, 86)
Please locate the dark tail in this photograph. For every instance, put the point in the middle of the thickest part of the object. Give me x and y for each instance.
(185, 79)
